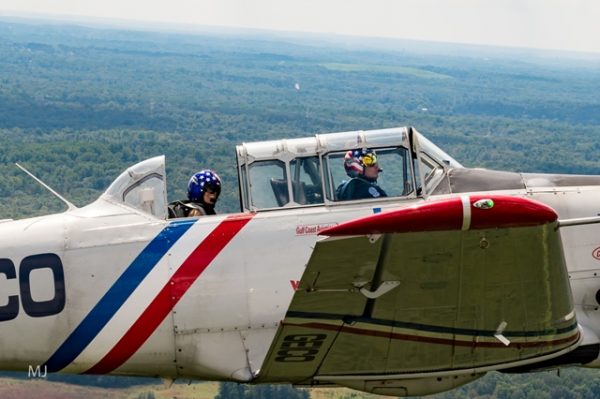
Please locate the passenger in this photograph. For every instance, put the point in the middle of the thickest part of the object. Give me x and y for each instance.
(362, 167)
(204, 188)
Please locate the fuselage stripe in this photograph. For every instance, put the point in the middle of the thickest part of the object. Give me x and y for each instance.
(118, 293)
(170, 294)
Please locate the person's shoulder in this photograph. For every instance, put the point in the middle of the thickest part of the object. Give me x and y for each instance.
(368, 189)
(176, 209)
(376, 191)
(345, 190)
(185, 208)
(353, 189)
(359, 183)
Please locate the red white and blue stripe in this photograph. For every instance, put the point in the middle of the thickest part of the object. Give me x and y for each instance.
(145, 293)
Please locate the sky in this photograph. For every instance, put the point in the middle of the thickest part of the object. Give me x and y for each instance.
(548, 24)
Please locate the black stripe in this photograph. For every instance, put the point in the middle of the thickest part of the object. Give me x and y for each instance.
(426, 327)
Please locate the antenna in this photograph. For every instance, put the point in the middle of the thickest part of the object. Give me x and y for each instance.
(70, 206)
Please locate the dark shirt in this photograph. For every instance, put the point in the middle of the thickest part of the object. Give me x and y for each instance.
(361, 187)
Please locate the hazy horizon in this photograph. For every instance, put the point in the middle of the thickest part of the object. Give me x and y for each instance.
(313, 38)
(527, 24)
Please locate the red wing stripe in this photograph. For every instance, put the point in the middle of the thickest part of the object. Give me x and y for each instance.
(449, 214)
(434, 340)
(170, 294)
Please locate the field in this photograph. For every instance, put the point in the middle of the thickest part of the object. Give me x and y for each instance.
(30, 389)
(387, 69)
(26, 389)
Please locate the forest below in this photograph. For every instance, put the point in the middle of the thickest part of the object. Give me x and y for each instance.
(78, 105)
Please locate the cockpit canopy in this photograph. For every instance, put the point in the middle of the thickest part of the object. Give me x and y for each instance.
(303, 172)
(308, 171)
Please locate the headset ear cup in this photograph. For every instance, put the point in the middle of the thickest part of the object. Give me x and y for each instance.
(369, 159)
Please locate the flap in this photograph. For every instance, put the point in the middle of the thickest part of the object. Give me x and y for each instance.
(430, 300)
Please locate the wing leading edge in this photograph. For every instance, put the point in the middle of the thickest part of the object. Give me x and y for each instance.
(466, 283)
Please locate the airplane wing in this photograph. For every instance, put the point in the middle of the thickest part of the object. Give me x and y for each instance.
(467, 283)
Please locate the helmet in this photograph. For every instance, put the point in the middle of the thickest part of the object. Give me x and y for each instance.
(205, 179)
(356, 160)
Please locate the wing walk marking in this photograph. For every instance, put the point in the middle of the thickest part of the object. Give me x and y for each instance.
(170, 294)
(118, 293)
(429, 328)
(433, 340)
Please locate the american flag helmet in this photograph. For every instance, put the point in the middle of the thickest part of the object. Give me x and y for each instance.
(200, 182)
(356, 160)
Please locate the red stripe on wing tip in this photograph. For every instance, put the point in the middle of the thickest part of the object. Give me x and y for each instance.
(424, 216)
(509, 211)
(447, 214)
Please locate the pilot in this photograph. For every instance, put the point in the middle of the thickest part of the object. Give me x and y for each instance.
(361, 165)
(204, 188)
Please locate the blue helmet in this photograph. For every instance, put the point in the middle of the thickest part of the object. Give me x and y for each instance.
(205, 179)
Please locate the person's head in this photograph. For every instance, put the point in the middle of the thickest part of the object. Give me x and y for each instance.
(361, 162)
(204, 187)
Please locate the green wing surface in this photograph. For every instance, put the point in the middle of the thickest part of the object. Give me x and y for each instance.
(459, 299)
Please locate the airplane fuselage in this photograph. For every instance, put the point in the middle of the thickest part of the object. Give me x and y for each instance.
(198, 297)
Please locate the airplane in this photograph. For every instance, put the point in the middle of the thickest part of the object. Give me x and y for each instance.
(456, 272)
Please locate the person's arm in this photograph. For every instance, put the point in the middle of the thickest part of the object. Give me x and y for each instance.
(194, 210)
